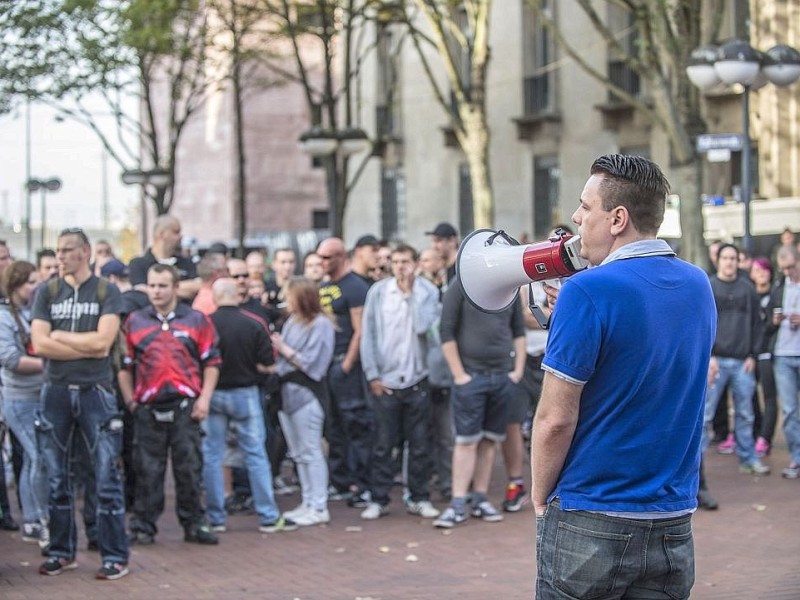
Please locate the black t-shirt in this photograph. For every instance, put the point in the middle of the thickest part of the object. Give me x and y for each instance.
(78, 310)
(139, 266)
(365, 278)
(337, 298)
(133, 300)
(243, 342)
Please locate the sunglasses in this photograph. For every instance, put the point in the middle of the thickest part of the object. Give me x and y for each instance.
(75, 231)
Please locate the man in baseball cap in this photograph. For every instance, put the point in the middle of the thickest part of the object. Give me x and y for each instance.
(445, 242)
(365, 257)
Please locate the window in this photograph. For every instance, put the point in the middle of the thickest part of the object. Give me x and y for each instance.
(387, 110)
(546, 188)
(539, 48)
(623, 24)
(392, 204)
(319, 219)
(466, 221)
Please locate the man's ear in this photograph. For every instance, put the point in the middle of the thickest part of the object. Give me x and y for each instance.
(620, 220)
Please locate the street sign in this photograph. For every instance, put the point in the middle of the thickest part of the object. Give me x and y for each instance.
(720, 141)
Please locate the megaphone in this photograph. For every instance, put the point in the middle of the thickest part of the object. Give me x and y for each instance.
(492, 265)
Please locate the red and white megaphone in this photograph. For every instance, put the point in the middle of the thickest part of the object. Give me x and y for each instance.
(492, 266)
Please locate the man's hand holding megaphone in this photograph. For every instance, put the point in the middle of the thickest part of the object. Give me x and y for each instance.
(492, 267)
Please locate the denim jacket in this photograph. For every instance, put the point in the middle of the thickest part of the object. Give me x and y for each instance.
(425, 311)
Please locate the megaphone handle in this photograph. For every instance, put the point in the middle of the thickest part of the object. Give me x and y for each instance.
(538, 314)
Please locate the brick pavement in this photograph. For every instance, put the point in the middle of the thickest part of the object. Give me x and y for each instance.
(747, 550)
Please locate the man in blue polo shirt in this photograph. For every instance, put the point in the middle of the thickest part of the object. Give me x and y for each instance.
(617, 432)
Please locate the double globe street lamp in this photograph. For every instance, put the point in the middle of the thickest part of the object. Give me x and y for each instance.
(53, 184)
(737, 62)
(158, 178)
(334, 147)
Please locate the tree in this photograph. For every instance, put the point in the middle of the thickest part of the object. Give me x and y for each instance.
(238, 32)
(327, 46)
(666, 32)
(150, 54)
(459, 32)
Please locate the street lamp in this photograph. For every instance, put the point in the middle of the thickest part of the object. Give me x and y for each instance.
(739, 63)
(334, 147)
(43, 185)
(158, 178)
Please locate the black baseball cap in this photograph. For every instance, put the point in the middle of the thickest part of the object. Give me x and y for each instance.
(367, 240)
(443, 230)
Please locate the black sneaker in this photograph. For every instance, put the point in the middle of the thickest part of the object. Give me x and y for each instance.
(140, 538)
(8, 523)
(200, 535)
(92, 545)
(360, 500)
(56, 566)
(281, 524)
(111, 571)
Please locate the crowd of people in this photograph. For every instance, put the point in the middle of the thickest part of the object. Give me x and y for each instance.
(365, 375)
(355, 376)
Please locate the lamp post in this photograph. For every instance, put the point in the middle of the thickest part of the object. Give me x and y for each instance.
(737, 62)
(34, 184)
(334, 147)
(158, 178)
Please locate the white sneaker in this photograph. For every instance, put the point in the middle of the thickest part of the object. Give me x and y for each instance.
(297, 511)
(44, 538)
(313, 517)
(219, 528)
(374, 511)
(423, 508)
(31, 532)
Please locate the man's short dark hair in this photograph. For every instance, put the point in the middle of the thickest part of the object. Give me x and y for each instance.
(635, 183)
(161, 268)
(726, 246)
(49, 252)
(406, 249)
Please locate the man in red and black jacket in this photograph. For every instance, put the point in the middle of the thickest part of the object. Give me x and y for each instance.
(173, 351)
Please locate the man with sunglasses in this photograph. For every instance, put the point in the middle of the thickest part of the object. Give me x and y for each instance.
(348, 422)
(74, 328)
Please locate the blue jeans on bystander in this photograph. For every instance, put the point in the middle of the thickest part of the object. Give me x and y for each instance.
(90, 411)
(241, 406)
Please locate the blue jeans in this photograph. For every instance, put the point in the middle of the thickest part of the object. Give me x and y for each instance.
(742, 386)
(241, 406)
(403, 416)
(588, 555)
(21, 416)
(91, 411)
(787, 380)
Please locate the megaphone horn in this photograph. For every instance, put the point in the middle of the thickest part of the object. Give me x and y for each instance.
(492, 266)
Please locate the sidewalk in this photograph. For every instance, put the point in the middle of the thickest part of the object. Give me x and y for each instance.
(747, 550)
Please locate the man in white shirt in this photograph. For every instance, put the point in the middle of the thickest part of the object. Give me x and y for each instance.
(397, 315)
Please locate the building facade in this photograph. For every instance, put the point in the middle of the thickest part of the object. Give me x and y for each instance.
(548, 120)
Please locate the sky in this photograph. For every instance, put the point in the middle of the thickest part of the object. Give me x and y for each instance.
(73, 153)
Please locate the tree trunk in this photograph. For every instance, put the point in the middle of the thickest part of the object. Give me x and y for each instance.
(475, 145)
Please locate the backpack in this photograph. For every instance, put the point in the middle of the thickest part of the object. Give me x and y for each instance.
(117, 350)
